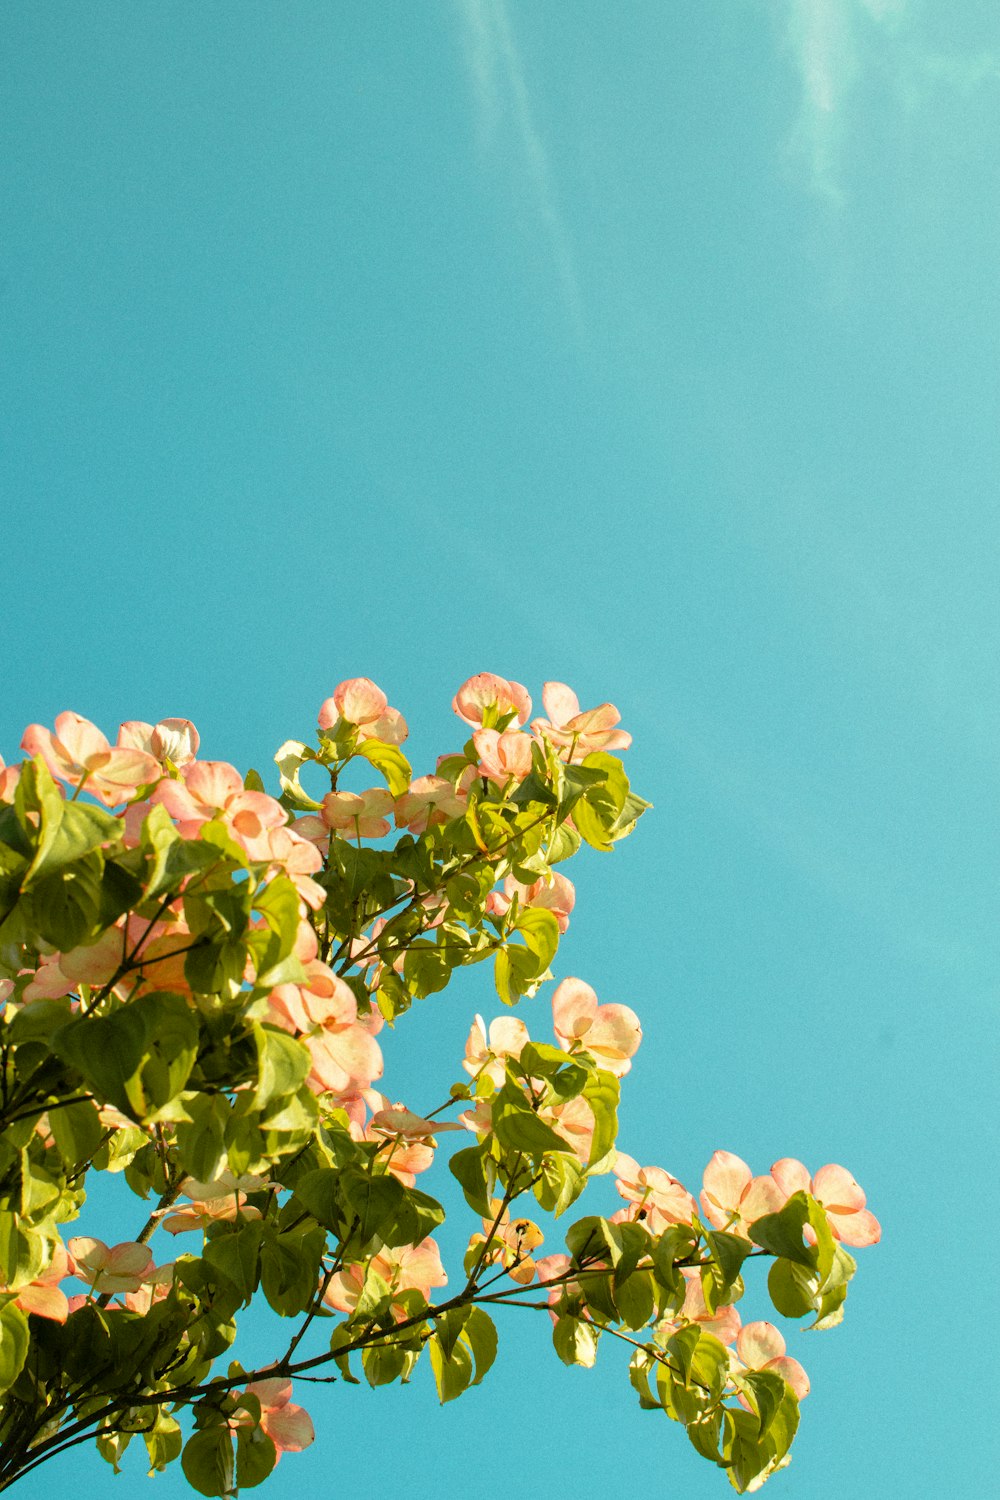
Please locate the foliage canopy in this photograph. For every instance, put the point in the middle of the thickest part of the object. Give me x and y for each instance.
(195, 974)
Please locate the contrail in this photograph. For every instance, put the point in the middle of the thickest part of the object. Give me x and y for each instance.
(498, 81)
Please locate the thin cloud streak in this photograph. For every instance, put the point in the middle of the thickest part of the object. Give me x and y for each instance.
(832, 43)
(500, 90)
(821, 40)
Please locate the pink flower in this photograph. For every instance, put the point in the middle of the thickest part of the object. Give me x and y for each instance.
(94, 963)
(9, 777)
(405, 1268)
(297, 856)
(288, 1426)
(122, 1268)
(842, 1199)
(724, 1323)
(430, 800)
(154, 1289)
(174, 740)
(759, 1346)
(314, 829)
(44, 1296)
(612, 1033)
(573, 1119)
(79, 753)
(397, 1120)
(547, 1268)
(324, 1011)
(222, 1199)
(579, 733)
(361, 813)
(212, 789)
(503, 757)
(359, 702)
(659, 1199)
(732, 1198)
(356, 700)
(408, 1139)
(554, 893)
(492, 702)
(507, 1037)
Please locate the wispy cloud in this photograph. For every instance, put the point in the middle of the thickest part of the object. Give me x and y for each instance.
(833, 44)
(503, 103)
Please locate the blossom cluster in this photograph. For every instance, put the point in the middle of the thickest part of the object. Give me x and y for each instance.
(271, 939)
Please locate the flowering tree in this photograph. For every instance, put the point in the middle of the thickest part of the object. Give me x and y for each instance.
(195, 974)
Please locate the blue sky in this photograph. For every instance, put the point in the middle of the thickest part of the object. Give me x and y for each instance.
(650, 348)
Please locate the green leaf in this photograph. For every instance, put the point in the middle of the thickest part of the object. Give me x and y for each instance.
(540, 931)
(781, 1233)
(289, 1269)
(112, 1445)
(540, 1060)
(256, 1456)
(164, 1443)
(593, 1238)
(201, 1139)
(120, 890)
(697, 1381)
(318, 1192)
(765, 1390)
(169, 858)
(14, 1338)
(69, 830)
(290, 759)
(602, 1091)
(65, 903)
(534, 788)
(467, 1166)
(564, 843)
(563, 1179)
(606, 812)
(452, 1372)
(830, 1306)
(784, 1425)
(751, 1457)
(383, 1363)
(632, 810)
(792, 1288)
(518, 1128)
(390, 761)
(481, 1335)
(341, 1336)
(283, 1063)
(76, 1130)
(729, 1250)
(426, 968)
(745, 1453)
(278, 903)
(207, 1461)
(639, 1369)
(374, 1201)
(704, 1436)
(140, 1057)
(634, 1299)
(447, 1328)
(592, 828)
(39, 1021)
(418, 1216)
(235, 1254)
(520, 967)
(575, 1341)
